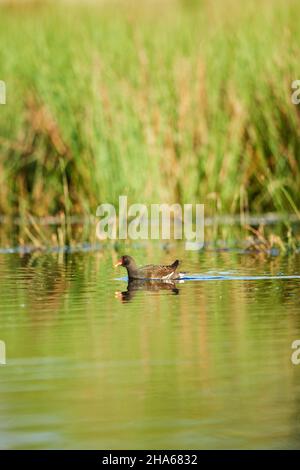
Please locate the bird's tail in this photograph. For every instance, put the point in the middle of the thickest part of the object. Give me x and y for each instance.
(175, 264)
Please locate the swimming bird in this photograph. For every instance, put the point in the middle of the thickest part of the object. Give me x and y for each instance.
(151, 271)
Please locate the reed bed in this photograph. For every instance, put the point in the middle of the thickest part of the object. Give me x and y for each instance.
(175, 101)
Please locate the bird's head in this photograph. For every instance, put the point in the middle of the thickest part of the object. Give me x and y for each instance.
(124, 261)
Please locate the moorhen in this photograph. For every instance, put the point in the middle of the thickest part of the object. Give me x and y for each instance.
(151, 271)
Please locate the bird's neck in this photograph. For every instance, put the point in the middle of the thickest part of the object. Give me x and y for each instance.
(131, 269)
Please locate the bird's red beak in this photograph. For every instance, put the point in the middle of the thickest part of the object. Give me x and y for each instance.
(119, 263)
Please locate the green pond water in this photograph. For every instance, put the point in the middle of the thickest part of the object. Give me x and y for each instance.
(202, 364)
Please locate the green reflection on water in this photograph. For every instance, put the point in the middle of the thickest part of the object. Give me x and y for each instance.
(207, 366)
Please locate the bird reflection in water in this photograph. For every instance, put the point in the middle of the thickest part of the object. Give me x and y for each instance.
(145, 285)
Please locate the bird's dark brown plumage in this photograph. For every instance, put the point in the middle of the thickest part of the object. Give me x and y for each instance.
(151, 271)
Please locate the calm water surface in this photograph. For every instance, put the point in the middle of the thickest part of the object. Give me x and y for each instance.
(199, 364)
